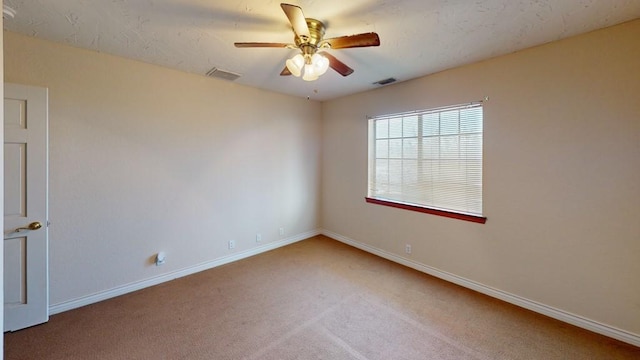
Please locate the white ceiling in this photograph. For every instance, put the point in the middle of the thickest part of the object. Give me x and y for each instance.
(418, 37)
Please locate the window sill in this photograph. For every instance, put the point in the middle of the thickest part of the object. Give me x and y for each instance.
(426, 210)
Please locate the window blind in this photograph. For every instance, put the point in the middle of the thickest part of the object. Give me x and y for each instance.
(430, 158)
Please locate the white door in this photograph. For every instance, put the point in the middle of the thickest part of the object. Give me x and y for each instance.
(26, 285)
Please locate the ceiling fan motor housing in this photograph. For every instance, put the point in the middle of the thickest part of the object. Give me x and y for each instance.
(316, 32)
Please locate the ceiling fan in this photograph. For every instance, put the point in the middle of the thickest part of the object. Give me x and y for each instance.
(308, 38)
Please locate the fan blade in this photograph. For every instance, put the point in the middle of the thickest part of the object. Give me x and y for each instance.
(298, 22)
(337, 65)
(259, 44)
(351, 41)
(285, 72)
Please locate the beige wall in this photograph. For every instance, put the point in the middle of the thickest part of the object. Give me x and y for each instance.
(561, 176)
(144, 159)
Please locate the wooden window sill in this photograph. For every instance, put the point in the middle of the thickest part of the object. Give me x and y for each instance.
(426, 210)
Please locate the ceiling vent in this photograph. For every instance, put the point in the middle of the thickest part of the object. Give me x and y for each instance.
(385, 81)
(221, 74)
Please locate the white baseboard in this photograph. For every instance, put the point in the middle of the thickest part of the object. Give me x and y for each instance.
(603, 329)
(138, 285)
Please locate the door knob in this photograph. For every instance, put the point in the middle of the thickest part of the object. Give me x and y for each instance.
(33, 226)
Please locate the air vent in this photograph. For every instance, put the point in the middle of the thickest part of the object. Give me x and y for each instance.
(385, 81)
(221, 74)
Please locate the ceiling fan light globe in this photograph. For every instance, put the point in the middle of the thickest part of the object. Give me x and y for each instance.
(295, 71)
(310, 73)
(320, 64)
(295, 65)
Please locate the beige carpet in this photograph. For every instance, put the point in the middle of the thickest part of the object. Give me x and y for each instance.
(316, 299)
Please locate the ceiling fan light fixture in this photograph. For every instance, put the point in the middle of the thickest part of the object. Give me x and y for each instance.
(295, 65)
(311, 66)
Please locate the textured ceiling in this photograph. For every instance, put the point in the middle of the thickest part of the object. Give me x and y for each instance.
(418, 37)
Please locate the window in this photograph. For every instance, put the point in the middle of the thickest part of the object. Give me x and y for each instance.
(429, 161)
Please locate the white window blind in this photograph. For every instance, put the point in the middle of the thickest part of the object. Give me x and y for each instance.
(430, 158)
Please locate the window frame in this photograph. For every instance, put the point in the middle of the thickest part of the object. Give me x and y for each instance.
(421, 121)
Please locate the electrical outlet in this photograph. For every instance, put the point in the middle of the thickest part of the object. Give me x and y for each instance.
(232, 244)
(281, 231)
(258, 237)
(407, 249)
